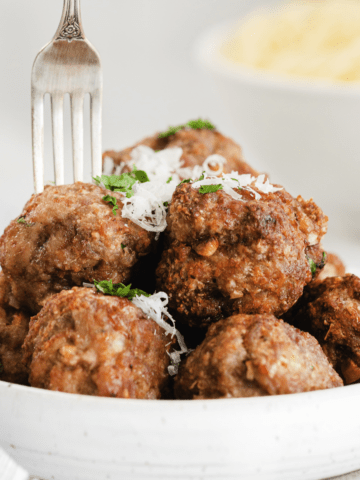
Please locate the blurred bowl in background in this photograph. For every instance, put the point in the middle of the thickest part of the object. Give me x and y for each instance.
(305, 134)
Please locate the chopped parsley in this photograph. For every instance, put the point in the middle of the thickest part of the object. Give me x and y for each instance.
(123, 183)
(194, 124)
(123, 246)
(202, 176)
(24, 222)
(112, 201)
(118, 289)
(188, 180)
(210, 188)
(169, 180)
(312, 265)
(166, 204)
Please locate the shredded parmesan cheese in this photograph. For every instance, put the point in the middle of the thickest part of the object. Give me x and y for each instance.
(164, 169)
(234, 180)
(155, 307)
(147, 207)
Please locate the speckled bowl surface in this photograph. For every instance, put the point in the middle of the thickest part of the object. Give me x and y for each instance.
(62, 436)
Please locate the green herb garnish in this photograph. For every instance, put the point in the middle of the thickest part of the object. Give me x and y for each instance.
(166, 204)
(312, 265)
(188, 180)
(169, 180)
(194, 124)
(119, 289)
(112, 201)
(123, 246)
(124, 182)
(210, 188)
(24, 222)
(202, 176)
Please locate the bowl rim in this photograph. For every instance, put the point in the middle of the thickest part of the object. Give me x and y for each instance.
(206, 53)
(281, 400)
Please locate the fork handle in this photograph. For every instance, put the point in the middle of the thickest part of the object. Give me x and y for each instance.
(70, 27)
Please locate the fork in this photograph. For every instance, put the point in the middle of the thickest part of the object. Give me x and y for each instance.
(68, 64)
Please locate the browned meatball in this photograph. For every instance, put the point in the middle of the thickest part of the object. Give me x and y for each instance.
(88, 343)
(14, 326)
(254, 355)
(69, 235)
(334, 267)
(197, 145)
(225, 256)
(330, 310)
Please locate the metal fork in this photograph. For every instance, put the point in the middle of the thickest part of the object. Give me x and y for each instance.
(67, 64)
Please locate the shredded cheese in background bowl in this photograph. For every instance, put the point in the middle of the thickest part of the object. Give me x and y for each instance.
(312, 39)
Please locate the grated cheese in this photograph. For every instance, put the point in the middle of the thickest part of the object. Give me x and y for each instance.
(164, 169)
(232, 180)
(155, 307)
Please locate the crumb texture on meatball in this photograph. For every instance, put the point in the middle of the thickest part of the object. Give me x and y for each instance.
(224, 256)
(197, 145)
(69, 235)
(254, 355)
(330, 310)
(88, 343)
(14, 326)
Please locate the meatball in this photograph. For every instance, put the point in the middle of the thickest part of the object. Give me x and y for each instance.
(65, 236)
(197, 145)
(88, 343)
(225, 256)
(254, 355)
(334, 267)
(14, 326)
(330, 310)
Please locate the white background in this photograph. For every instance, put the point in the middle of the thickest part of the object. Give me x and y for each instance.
(150, 81)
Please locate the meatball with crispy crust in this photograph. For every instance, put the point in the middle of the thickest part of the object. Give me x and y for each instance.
(14, 326)
(197, 145)
(225, 256)
(65, 236)
(254, 355)
(88, 343)
(330, 310)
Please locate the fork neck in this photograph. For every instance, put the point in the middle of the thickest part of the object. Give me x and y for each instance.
(70, 27)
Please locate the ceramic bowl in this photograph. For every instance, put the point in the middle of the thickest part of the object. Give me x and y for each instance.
(61, 436)
(305, 134)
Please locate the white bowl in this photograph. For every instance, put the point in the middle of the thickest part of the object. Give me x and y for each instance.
(62, 436)
(305, 134)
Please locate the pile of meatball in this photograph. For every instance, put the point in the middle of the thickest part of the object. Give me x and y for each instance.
(263, 308)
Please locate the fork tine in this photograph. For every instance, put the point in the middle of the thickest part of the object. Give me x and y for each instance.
(96, 131)
(57, 102)
(37, 116)
(77, 120)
